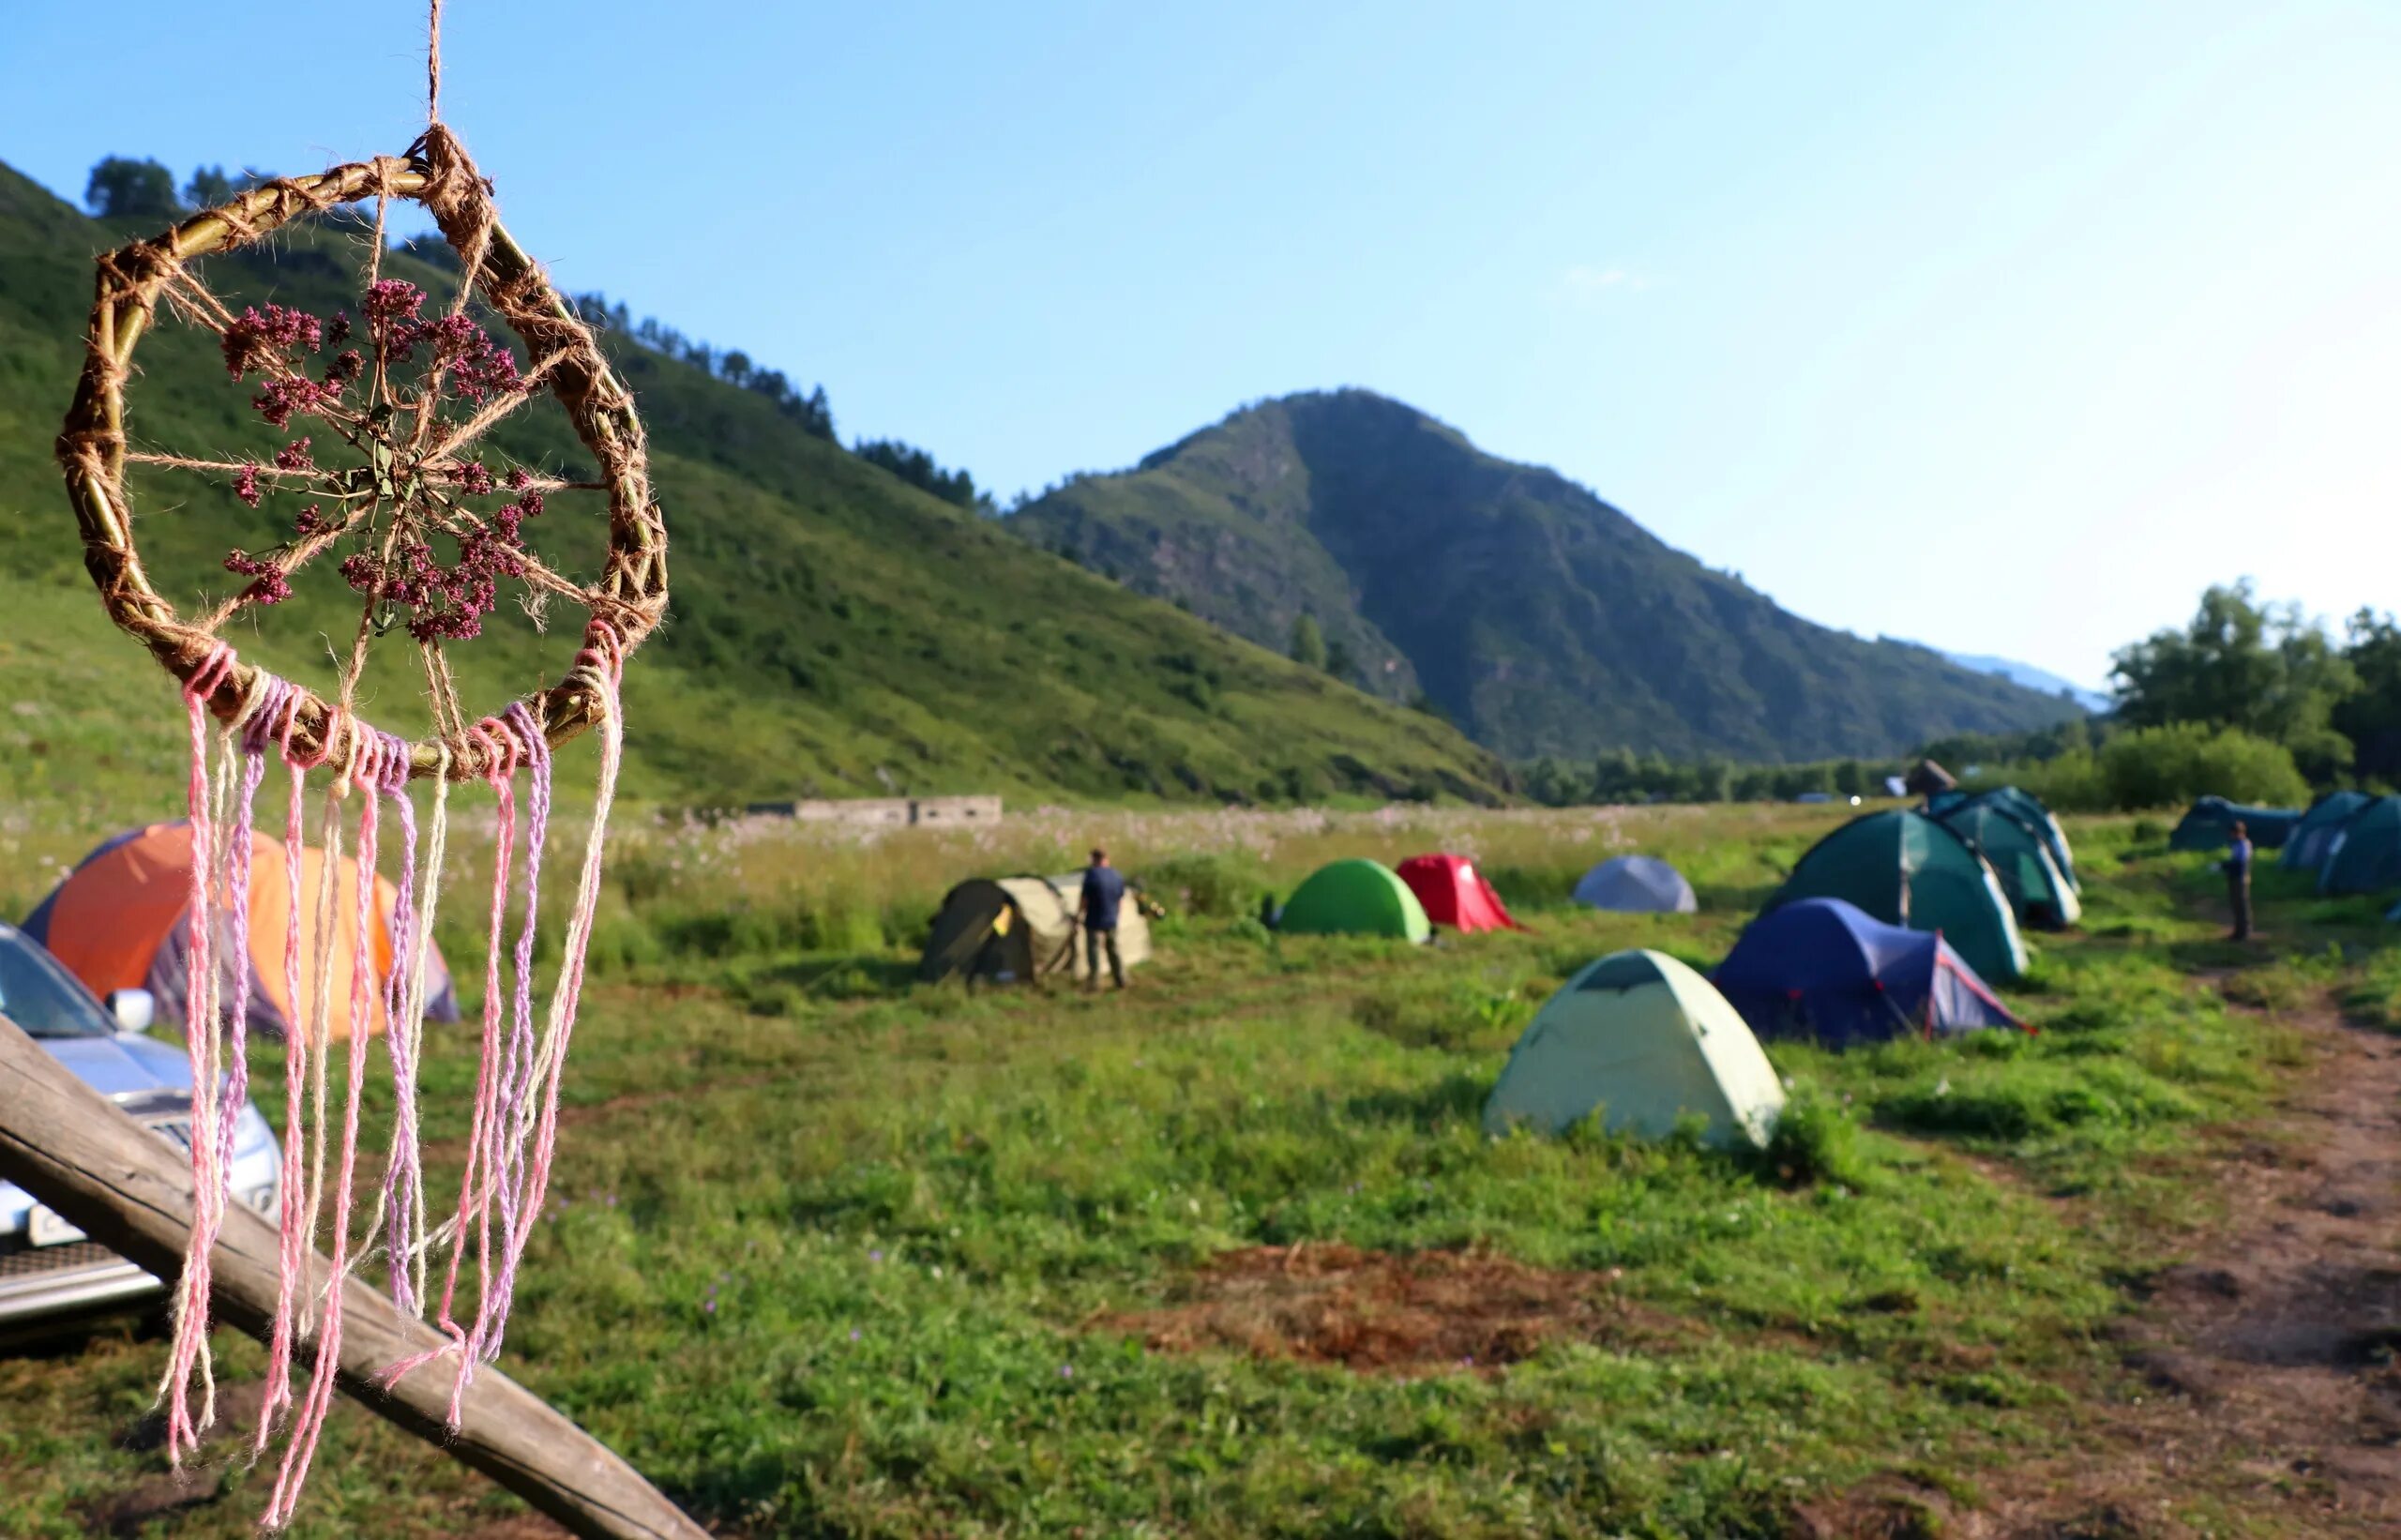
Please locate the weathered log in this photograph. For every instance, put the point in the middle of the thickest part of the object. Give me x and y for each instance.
(131, 1192)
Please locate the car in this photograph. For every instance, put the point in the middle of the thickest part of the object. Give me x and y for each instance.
(48, 1268)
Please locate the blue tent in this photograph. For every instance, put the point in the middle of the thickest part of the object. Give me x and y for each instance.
(1822, 968)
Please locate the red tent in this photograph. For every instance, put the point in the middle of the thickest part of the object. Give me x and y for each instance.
(1456, 893)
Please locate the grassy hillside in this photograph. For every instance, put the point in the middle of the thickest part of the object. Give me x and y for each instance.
(834, 629)
(1539, 617)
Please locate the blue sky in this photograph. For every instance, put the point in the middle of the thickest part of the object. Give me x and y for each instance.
(2005, 328)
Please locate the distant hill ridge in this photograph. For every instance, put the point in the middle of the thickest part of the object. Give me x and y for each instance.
(834, 632)
(1540, 618)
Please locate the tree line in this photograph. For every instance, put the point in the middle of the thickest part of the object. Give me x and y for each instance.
(123, 188)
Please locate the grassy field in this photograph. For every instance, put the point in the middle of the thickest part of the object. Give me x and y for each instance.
(837, 1254)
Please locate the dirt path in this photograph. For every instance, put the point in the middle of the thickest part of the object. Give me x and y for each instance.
(2275, 1397)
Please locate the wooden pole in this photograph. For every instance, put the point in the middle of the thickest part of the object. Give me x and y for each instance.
(131, 1191)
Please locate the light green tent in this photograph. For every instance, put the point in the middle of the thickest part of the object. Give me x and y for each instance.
(1354, 899)
(2039, 894)
(1906, 868)
(1645, 1041)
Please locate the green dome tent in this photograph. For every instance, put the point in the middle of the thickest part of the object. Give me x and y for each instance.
(1645, 1041)
(2030, 807)
(1906, 868)
(1354, 899)
(2307, 847)
(2210, 825)
(2365, 855)
(2039, 894)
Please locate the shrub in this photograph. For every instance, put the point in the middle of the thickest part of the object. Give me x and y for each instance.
(1815, 1140)
(2168, 766)
(1224, 884)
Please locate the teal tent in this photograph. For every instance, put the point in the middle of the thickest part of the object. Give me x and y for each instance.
(2039, 895)
(2030, 807)
(1906, 868)
(2365, 856)
(1645, 1042)
(1354, 899)
(2306, 848)
(2210, 825)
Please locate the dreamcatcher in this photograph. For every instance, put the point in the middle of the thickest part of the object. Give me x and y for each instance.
(388, 475)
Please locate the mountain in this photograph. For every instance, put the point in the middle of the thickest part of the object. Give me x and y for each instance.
(2031, 677)
(1535, 615)
(834, 630)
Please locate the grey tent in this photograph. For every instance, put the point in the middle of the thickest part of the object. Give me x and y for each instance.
(2319, 830)
(1636, 885)
(1009, 929)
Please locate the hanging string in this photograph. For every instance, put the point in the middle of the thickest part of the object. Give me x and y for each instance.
(513, 1113)
(365, 768)
(473, 1215)
(433, 65)
(297, 1222)
(189, 1353)
(404, 1025)
(600, 670)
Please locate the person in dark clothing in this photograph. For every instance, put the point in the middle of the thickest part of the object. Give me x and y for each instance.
(1104, 890)
(2237, 882)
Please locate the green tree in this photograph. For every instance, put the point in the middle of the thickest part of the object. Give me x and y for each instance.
(123, 188)
(1339, 663)
(2370, 717)
(1308, 642)
(2265, 670)
(209, 187)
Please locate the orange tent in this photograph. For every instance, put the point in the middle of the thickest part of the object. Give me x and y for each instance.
(117, 922)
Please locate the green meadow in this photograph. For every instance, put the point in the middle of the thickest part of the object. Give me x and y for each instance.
(836, 1254)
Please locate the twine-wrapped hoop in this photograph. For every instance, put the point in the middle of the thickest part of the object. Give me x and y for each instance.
(624, 606)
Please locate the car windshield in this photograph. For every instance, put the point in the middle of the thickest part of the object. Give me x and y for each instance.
(44, 997)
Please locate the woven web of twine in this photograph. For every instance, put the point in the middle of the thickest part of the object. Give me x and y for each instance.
(414, 471)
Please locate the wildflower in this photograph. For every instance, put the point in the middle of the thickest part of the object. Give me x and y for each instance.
(346, 368)
(391, 308)
(294, 457)
(246, 485)
(257, 338)
(472, 478)
(311, 522)
(855, 1334)
(709, 1305)
(1066, 1371)
(279, 401)
(875, 1256)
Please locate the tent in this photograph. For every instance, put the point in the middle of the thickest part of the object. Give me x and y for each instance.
(2210, 825)
(1355, 899)
(1645, 1041)
(1925, 779)
(1636, 885)
(1821, 968)
(2365, 855)
(1454, 893)
(1009, 929)
(2306, 846)
(2039, 895)
(1906, 868)
(2027, 806)
(118, 922)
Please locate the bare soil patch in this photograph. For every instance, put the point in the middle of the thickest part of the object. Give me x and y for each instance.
(2269, 1387)
(1382, 1313)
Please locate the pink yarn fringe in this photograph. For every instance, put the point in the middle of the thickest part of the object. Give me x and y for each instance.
(190, 1344)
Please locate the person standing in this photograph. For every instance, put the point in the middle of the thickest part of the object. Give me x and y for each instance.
(2237, 882)
(1104, 891)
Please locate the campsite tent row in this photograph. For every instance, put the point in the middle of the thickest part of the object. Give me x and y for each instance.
(2350, 840)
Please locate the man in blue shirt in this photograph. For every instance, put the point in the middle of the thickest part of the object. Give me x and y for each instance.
(2237, 882)
(1104, 891)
